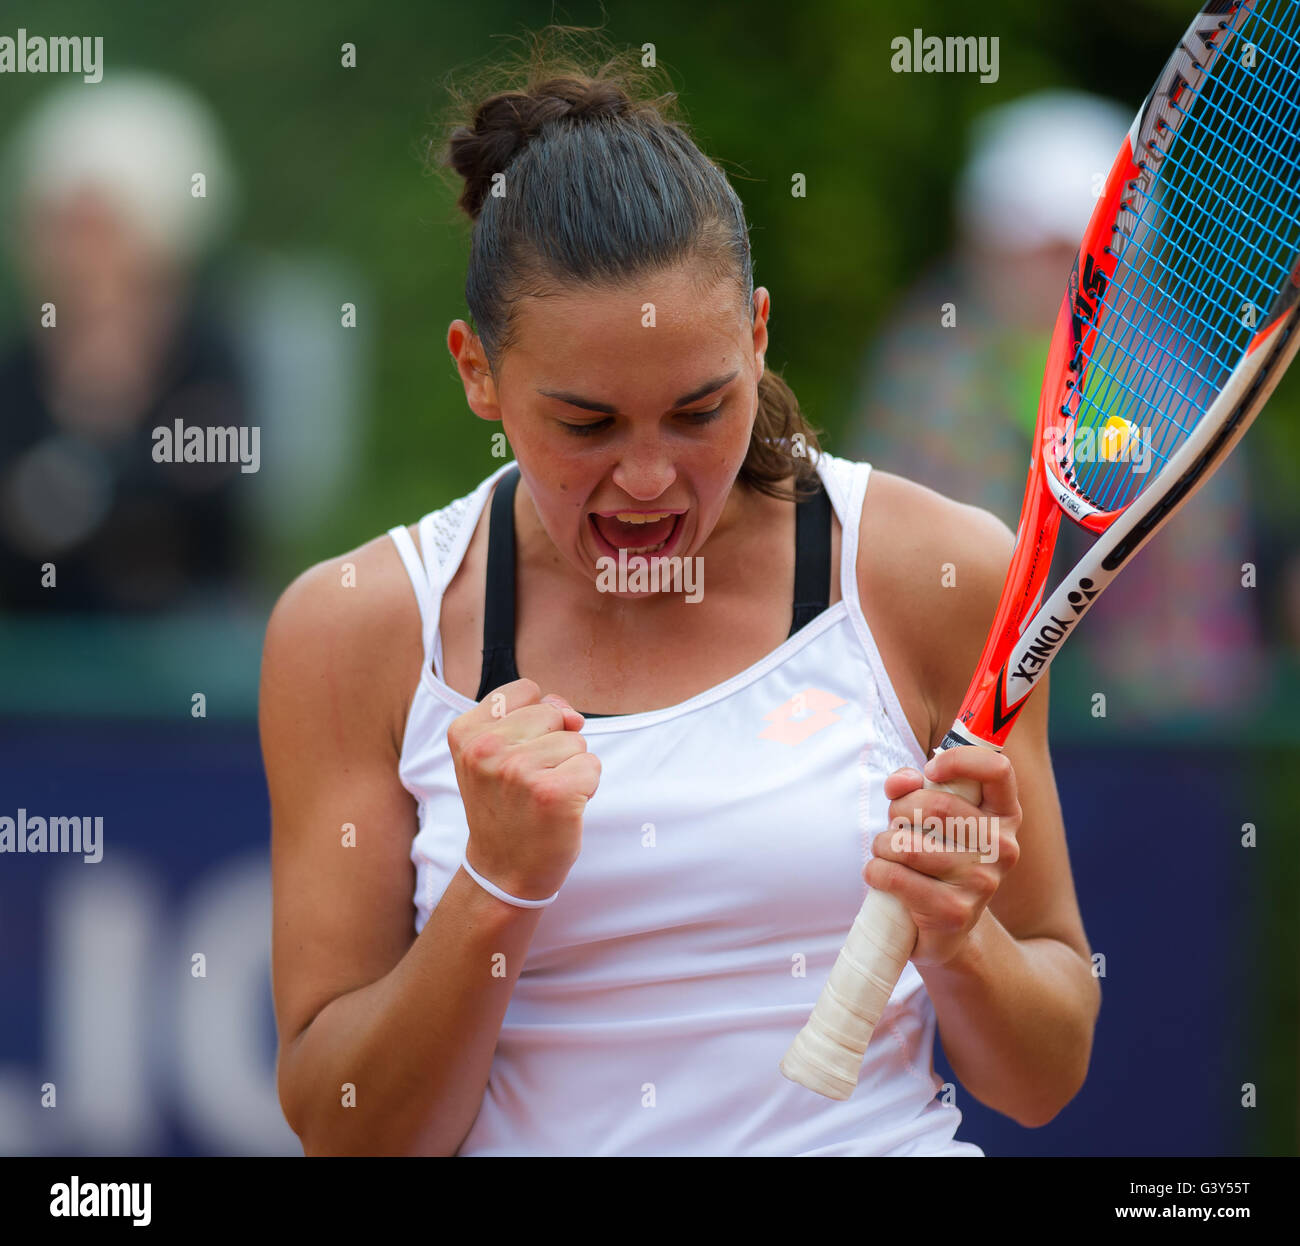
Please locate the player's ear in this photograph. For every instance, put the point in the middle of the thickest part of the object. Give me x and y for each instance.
(762, 309)
(475, 373)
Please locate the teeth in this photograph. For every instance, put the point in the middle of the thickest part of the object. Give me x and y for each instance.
(635, 517)
(632, 517)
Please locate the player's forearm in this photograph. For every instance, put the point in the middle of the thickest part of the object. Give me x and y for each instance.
(416, 1045)
(1017, 1019)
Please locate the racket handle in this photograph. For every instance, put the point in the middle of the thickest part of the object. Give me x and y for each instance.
(826, 1055)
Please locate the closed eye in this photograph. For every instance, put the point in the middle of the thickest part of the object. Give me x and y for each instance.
(585, 430)
(597, 426)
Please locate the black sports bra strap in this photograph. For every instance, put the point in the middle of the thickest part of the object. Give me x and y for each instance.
(812, 558)
(499, 599)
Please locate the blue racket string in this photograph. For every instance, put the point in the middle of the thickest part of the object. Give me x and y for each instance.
(1211, 225)
(1157, 309)
(1212, 240)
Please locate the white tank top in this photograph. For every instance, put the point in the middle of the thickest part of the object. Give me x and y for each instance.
(721, 869)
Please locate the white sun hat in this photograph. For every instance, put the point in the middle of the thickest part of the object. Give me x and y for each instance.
(138, 140)
(1036, 167)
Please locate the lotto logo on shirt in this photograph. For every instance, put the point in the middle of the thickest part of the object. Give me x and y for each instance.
(804, 714)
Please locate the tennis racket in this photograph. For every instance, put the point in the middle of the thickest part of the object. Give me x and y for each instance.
(1178, 319)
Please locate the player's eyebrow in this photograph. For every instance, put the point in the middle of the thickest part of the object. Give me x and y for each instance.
(588, 404)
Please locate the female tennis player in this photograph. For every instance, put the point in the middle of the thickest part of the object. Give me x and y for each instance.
(637, 820)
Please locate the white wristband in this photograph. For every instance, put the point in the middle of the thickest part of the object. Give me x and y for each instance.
(493, 889)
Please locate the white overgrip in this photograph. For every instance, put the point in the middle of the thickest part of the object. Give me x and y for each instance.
(826, 1055)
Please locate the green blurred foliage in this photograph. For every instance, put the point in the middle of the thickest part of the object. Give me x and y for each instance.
(332, 163)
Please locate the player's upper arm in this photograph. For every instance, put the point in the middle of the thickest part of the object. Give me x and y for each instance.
(936, 567)
(340, 662)
(947, 565)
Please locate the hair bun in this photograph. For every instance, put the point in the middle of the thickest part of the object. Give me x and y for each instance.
(505, 122)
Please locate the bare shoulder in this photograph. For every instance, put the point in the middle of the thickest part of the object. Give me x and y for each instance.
(932, 570)
(347, 631)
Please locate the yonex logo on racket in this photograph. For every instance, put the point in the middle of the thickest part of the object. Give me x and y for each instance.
(1081, 597)
(1041, 648)
(1051, 632)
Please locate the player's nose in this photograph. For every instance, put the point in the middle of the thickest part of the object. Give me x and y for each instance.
(646, 476)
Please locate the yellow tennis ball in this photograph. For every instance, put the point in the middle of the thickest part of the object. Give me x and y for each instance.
(1117, 435)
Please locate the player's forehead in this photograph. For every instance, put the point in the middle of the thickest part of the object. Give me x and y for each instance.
(655, 337)
(688, 293)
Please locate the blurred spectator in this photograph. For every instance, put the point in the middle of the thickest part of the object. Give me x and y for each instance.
(104, 229)
(955, 408)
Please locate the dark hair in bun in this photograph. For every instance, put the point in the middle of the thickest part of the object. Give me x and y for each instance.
(597, 182)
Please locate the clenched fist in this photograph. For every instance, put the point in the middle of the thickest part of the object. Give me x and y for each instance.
(525, 776)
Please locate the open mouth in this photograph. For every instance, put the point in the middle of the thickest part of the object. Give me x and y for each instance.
(646, 538)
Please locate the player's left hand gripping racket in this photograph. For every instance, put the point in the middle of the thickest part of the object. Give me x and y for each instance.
(1179, 317)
